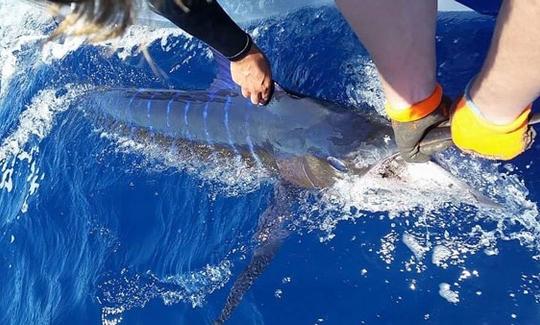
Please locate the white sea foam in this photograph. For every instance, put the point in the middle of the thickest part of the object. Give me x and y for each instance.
(366, 88)
(427, 186)
(440, 255)
(21, 24)
(466, 274)
(22, 145)
(36, 120)
(388, 246)
(230, 176)
(415, 246)
(447, 293)
(21, 27)
(135, 291)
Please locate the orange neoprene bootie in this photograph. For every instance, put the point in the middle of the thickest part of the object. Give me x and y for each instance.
(411, 125)
(418, 110)
(472, 133)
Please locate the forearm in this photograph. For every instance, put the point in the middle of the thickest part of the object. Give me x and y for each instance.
(207, 21)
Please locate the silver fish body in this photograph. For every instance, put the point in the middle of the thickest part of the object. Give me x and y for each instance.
(309, 142)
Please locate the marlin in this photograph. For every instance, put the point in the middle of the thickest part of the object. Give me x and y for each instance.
(306, 143)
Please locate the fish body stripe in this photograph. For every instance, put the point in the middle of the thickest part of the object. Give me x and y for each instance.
(226, 110)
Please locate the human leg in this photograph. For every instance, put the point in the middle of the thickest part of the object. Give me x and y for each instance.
(510, 77)
(492, 119)
(400, 37)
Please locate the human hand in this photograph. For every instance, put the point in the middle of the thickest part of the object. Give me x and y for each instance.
(411, 132)
(252, 73)
(411, 136)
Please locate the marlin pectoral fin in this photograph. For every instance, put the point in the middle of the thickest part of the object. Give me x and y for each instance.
(271, 234)
(307, 171)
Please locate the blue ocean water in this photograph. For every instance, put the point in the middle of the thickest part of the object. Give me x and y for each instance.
(98, 227)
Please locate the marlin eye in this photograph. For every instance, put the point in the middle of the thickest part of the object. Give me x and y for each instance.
(337, 164)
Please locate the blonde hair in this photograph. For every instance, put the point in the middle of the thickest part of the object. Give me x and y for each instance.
(96, 19)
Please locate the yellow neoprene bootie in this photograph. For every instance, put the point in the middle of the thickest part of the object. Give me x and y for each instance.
(472, 133)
